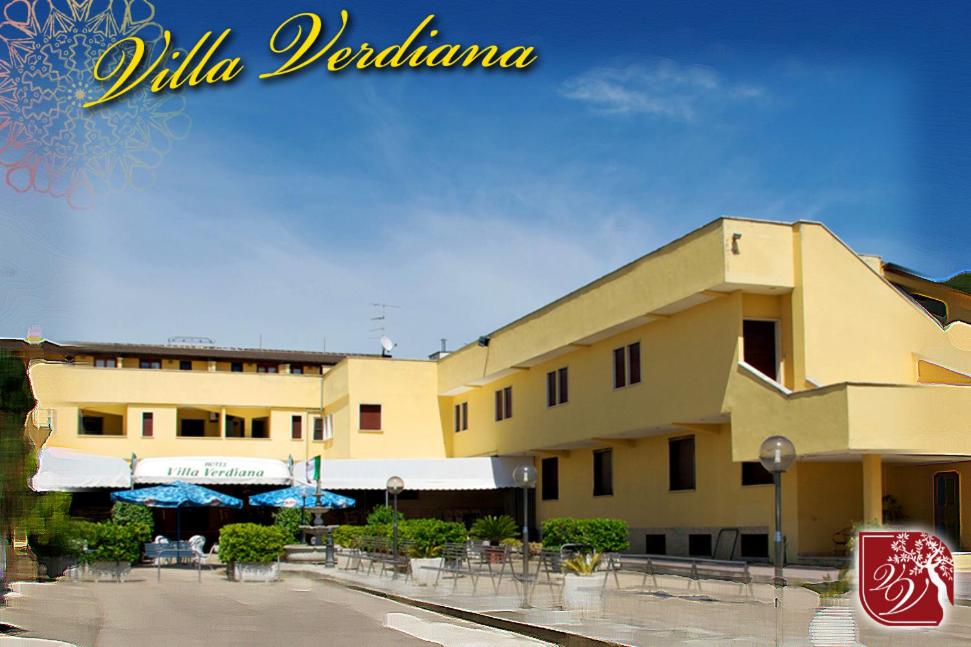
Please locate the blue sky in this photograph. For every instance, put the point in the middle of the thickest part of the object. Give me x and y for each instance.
(470, 198)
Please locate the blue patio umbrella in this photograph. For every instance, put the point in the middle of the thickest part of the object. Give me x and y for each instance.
(301, 496)
(178, 495)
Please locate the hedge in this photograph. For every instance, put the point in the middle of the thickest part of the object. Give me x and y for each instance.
(350, 536)
(112, 542)
(289, 521)
(127, 514)
(427, 535)
(605, 535)
(251, 543)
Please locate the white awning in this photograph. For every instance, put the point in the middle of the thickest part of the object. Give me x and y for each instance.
(479, 473)
(65, 470)
(212, 470)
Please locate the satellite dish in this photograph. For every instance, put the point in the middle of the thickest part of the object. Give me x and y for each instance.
(387, 344)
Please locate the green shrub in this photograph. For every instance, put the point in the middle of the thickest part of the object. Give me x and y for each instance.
(428, 536)
(494, 529)
(289, 521)
(126, 514)
(350, 536)
(383, 514)
(605, 535)
(63, 537)
(112, 542)
(251, 543)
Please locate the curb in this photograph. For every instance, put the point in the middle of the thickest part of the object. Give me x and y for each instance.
(546, 634)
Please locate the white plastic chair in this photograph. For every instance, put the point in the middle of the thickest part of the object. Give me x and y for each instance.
(161, 539)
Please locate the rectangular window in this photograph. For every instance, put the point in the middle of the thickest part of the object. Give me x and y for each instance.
(681, 463)
(759, 347)
(556, 387)
(296, 427)
(236, 367)
(634, 363)
(550, 467)
(504, 403)
(193, 428)
(461, 416)
(149, 363)
(699, 545)
(754, 474)
(102, 362)
(148, 424)
(318, 428)
(656, 544)
(185, 365)
(627, 365)
(370, 416)
(603, 472)
(296, 370)
(234, 426)
(92, 425)
(620, 368)
(267, 368)
(260, 429)
(755, 545)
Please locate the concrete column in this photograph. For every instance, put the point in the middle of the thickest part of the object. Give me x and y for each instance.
(222, 422)
(212, 366)
(873, 489)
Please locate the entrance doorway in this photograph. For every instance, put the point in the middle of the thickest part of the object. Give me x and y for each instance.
(947, 507)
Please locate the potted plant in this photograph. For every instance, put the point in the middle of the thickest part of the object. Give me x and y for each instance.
(427, 538)
(251, 552)
(583, 583)
(493, 529)
(113, 549)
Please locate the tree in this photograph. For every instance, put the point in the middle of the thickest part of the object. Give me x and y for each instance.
(927, 554)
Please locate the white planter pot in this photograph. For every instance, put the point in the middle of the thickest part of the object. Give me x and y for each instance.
(583, 592)
(244, 572)
(425, 576)
(833, 622)
(109, 570)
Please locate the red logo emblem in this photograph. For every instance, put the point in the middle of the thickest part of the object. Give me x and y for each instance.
(906, 579)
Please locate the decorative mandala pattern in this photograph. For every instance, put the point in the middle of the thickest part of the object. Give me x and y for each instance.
(49, 143)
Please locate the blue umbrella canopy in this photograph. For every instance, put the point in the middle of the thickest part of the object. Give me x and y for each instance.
(301, 496)
(177, 494)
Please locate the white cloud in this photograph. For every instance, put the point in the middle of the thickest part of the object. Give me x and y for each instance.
(664, 88)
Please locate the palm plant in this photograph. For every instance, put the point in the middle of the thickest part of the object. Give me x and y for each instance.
(583, 564)
(493, 529)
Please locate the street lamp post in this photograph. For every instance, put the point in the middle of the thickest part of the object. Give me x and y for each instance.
(776, 455)
(394, 487)
(525, 477)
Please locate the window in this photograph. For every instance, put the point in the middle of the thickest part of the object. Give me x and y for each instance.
(260, 428)
(234, 426)
(92, 425)
(236, 367)
(149, 363)
(296, 427)
(461, 416)
(102, 362)
(754, 474)
(504, 403)
(754, 545)
(936, 308)
(550, 467)
(370, 416)
(627, 365)
(557, 389)
(324, 427)
(266, 368)
(759, 347)
(148, 424)
(699, 545)
(185, 365)
(655, 544)
(681, 463)
(193, 428)
(603, 472)
(318, 428)
(296, 370)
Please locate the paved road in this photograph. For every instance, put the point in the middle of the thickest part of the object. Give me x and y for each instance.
(181, 612)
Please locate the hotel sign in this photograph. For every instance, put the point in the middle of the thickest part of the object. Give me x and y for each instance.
(212, 470)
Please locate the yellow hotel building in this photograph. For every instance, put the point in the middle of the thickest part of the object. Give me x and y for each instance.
(643, 395)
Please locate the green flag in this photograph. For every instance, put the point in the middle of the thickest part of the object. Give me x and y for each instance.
(317, 467)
